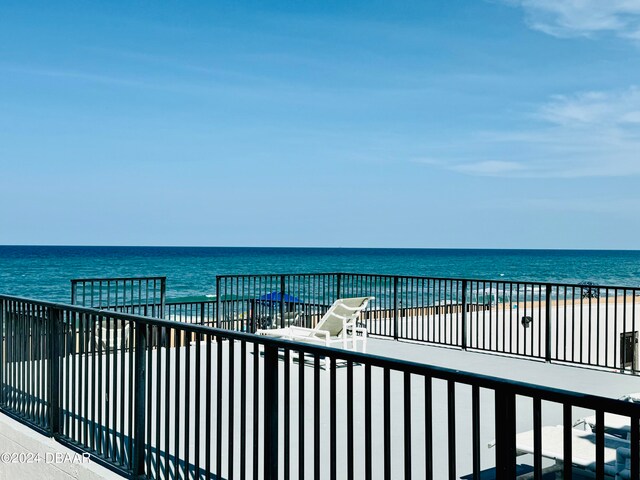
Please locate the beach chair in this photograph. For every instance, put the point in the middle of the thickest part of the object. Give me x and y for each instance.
(583, 457)
(111, 338)
(614, 424)
(292, 318)
(337, 326)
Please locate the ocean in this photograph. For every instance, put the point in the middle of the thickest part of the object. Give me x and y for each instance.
(44, 272)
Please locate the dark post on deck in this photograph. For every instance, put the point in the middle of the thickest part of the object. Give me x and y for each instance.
(505, 405)
(55, 316)
(270, 412)
(139, 400)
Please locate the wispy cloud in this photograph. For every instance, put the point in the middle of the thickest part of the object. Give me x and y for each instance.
(489, 168)
(589, 134)
(619, 109)
(584, 205)
(571, 18)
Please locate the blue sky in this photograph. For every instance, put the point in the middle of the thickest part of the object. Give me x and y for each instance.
(497, 124)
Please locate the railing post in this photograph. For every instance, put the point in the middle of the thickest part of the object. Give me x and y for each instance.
(338, 286)
(163, 295)
(395, 308)
(282, 292)
(547, 320)
(464, 314)
(54, 370)
(252, 316)
(271, 446)
(203, 315)
(139, 399)
(217, 302)
(505, 418)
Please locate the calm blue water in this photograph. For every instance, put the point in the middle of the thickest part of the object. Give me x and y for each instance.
(44, 272)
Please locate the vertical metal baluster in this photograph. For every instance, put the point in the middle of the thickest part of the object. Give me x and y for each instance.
(208, 401)
(634, 367)
(350, 445)
(177, 392)
(386, 405)
(505, 425)
(333, 463)
(256, 417)
(606, 328)
(85, 342)
(169, 333)
(598, 362)
(219, 418)
(301, 417)
(589, 334)
(428, 428)
(581, 326)
(600, 427)
(187, 402)
(451, 427)
(511, 317)
(149, 371)
(243, 409)
(367, 422)
(142, 337)
(557, 322)
(230, 415)
(475, 430)
(537, 438)
(407, 425)
(287, 420)
(504, 317)
(635, 450)
(270, 412)
(567, 440)
(197, 388)
(615, 320)
(316, 415)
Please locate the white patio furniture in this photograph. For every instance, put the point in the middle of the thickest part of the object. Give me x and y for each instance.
(110, 335)
(336, 327)
(583, 453)
(616, 425)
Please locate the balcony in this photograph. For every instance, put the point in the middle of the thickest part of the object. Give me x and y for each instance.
(446, 374)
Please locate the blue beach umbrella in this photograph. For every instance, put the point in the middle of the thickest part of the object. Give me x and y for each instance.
(278, 297)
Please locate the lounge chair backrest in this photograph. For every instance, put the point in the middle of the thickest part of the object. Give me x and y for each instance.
(343, 312)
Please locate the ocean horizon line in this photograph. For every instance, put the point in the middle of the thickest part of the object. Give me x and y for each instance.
(298, 247)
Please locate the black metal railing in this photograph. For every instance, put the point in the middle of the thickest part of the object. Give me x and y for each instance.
(583, 324)
(136, 295)
(589, 325)
(153, 398)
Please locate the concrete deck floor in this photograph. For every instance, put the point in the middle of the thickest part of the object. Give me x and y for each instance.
(566, 377)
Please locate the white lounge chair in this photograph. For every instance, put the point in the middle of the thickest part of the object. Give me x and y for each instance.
(111, 338)
(614, 424)
(337, 326)
(583, 453)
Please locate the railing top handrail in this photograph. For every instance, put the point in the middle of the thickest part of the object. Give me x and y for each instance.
(552, 394)
(419, 277)
(120, 279)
